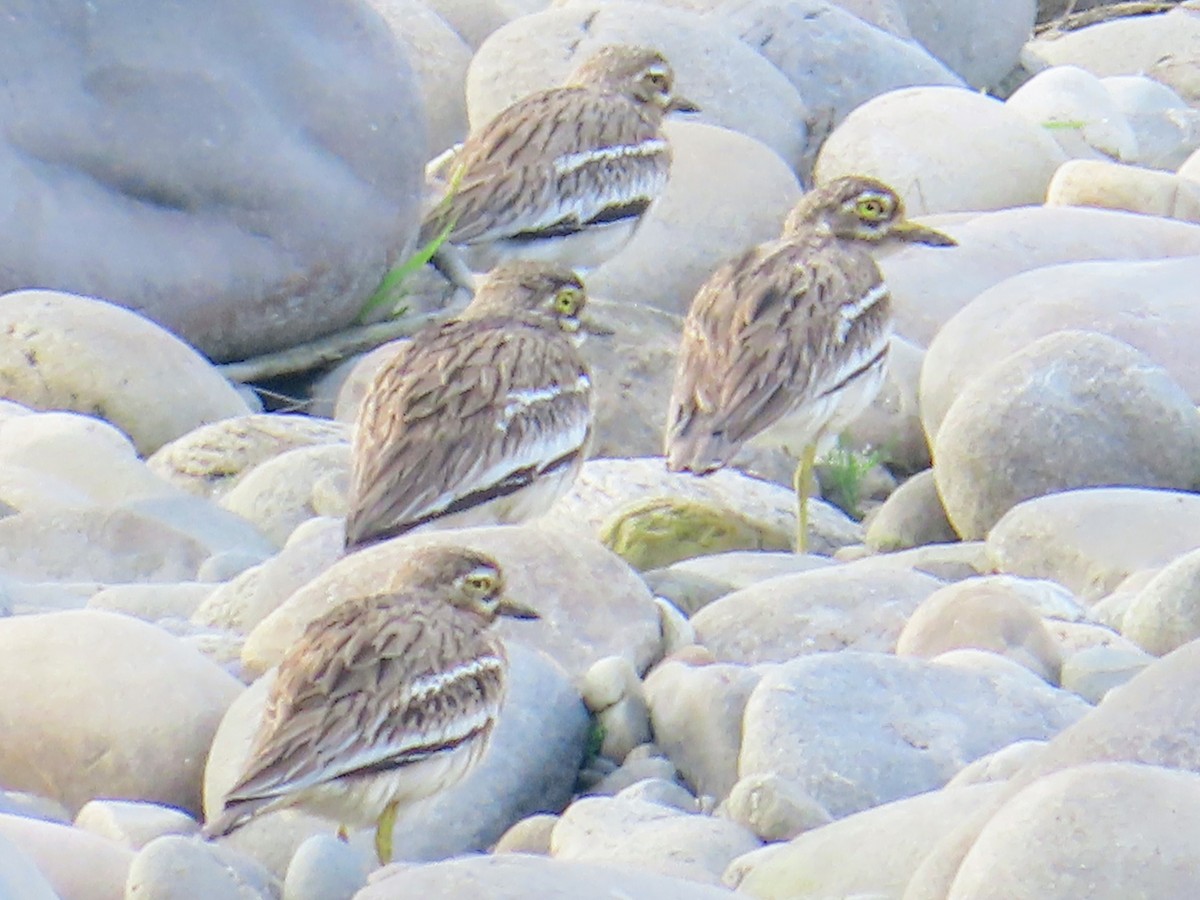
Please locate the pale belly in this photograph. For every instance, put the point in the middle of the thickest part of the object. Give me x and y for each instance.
(821, 421)
(360, 801)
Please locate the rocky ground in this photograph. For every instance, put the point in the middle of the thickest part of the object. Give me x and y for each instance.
(987, 687)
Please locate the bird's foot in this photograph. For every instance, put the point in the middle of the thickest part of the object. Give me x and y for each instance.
(383, 833)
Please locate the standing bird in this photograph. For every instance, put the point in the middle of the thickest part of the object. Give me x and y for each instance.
(788, 341)
(564, 175)
(385, 700)
(484, 419)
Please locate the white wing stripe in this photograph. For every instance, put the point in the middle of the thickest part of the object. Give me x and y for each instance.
(851, 312)
(428, 685)
(519, 400)
(571, 162)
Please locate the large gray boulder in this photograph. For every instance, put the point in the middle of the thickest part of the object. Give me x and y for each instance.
(1073, 409)
(810, 41)
(859, 729)
(1148, 304)
(981, 40)
(243, 174)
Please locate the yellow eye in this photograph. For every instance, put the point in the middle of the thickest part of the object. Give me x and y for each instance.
(482, 584)
(567, 301)
(872, 209)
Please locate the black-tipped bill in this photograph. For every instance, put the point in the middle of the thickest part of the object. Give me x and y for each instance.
(683, 105)
(912, 233)
(514, 610)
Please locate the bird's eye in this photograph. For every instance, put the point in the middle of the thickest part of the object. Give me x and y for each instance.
(482, 584)
(871, 209)
(566, 301)
(659, 80)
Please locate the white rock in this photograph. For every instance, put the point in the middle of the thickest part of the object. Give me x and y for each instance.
(207, 460)
(810, 41)
(649, 837)
(1071, 835)
(985, 155)
(823, 610)
(1164, 613)
(795, 724)
(19, 877)
(78, 353)
(324, 868)
(868, 854)
(1074, 409)
(1167, 129)
(133, 824)
(985, 616)
(179, 868)
(1108, 185)
(1147, 304)
(278, 495)
(1091, 539)
(517, 877)
(1094, 671)
(930, 284)
(77, 865)
(72, 679)
(1078, 111)
(439, 57)
(1164, 47)
(697, 716)
(981, 40)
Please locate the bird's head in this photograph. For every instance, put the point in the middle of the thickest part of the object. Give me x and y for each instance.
(542, 294)
(860, 208)
(639, 73)
(471, 581)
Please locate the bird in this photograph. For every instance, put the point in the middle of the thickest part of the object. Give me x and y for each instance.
(484, 419)
(786, 343)
(564, 175)
(385, 700)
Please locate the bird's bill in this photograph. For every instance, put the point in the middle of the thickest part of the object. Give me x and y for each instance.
(683, 105)
(515, 610)
(912, 233)
(593, 326)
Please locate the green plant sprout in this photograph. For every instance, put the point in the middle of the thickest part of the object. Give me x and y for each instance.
(843, 472)
(391, 288)
(1063, 125)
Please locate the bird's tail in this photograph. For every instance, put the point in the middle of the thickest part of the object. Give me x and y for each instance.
(234, 816)
(697, 449)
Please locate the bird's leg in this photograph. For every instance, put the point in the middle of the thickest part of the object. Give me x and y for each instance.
(383, 833)
(449, 260)
(801, 482)
(343, 834)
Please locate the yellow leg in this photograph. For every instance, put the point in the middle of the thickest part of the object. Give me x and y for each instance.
(383, 833)
(801, 483)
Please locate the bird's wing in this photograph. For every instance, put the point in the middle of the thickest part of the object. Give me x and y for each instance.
(473, 412)
(553, 164)
(770, 331)
(361, 693)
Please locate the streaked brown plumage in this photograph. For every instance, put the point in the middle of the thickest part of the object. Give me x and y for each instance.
(484, 419)
(789, 340)
(385, 700)
(565, 174)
